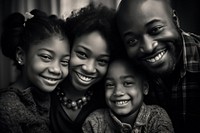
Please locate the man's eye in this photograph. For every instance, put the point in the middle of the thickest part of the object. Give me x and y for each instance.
(156, 30)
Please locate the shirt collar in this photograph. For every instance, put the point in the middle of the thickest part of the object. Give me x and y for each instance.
(141, 119)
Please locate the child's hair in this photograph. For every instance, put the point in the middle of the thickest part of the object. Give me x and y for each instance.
(121, 54)
(18, 32)
(94, 17)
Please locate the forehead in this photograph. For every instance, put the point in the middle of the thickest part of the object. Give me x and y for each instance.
(120, 66)
(141, 10)
(93, 42)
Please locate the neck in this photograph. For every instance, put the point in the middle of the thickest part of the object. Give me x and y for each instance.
(130, 118)
(71, 92)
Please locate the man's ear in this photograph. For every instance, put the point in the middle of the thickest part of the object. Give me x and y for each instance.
(20, 56)
(146, 88)
(176, 19)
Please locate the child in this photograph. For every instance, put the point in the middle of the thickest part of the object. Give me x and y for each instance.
(40, 50)
(125, 87)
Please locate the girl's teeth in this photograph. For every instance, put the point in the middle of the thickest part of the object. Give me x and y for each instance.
(157, 57)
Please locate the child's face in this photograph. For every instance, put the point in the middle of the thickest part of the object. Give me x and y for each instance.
(124, 89)
(89, 60)
(46, 63)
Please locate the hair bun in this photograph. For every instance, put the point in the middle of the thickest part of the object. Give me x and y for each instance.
(13, 21)
(12, 30)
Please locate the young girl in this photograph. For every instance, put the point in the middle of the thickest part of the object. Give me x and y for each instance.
(41, 51)
(80, 94)
(125, 87)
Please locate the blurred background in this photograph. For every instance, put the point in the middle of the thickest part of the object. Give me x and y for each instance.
(187, 10)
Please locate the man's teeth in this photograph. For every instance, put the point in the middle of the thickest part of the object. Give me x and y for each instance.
(157, 57)
(84, 78)
(121, 102)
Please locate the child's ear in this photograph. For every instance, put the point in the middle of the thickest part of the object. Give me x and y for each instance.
(20, 56)
(146, 88)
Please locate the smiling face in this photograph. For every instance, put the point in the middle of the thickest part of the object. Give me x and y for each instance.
(149, 32)
(46, 63)
(89, 60)
(124, 88)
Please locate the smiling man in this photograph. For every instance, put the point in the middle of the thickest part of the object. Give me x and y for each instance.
(152, 36)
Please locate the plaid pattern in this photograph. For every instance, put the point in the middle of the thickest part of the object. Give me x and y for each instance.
(182, 101)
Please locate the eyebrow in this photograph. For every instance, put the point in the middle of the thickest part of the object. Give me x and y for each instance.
(152, 21)
(102, 55)
(121, 77)
(51, 51)
(146, 25)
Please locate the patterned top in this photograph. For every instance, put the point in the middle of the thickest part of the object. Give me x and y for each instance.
(20, 112)
(182, 100)
(151, 119)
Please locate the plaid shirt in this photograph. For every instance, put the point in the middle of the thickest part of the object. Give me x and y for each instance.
(182, 102)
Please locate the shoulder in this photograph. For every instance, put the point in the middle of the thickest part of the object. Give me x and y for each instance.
(156, 110)
(191, 38)
(159, 120)
(98, 114)
(8, 97)
(96, 121)
(11, 106)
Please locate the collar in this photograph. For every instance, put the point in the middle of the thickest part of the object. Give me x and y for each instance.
(141, 119)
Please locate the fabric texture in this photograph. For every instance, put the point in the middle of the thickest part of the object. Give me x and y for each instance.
(151, 119)
(182, 100)
(20, 112)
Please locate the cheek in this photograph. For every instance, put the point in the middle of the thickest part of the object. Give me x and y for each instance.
(65, 71)
(108, 93)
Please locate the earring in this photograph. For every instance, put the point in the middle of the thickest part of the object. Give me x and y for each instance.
(20, 62)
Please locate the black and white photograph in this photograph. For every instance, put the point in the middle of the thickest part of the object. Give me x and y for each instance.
(99, 66)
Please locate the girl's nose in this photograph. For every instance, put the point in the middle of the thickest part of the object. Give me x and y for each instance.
(55, 68)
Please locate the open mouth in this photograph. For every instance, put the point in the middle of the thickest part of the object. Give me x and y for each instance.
(157, 57)
(51, 81)
(121, 102)
(84, 78)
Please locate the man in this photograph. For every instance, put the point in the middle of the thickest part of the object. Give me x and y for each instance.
(152, 36)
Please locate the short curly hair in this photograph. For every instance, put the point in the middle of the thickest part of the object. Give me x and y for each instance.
(94, 17)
